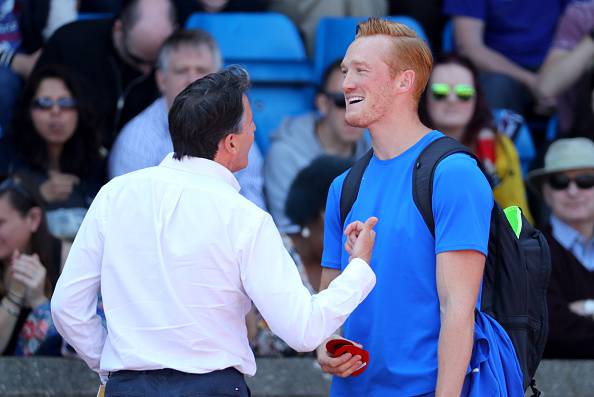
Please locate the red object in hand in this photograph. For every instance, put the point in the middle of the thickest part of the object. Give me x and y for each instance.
(338, 347)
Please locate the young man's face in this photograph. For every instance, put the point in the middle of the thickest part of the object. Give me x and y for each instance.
(368, 85)
(186, 65)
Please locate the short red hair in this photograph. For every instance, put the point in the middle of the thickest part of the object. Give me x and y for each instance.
(409, 52)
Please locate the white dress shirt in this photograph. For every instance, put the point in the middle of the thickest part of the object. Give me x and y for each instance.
(178, 254)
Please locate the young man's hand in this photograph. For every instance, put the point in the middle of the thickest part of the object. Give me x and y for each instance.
(360, 239)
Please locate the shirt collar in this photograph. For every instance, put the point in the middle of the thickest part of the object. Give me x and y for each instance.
(565, 234)
(201, 166)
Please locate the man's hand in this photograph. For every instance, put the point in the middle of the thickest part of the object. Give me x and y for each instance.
(58, 187)
(360, 239)
(342, 366)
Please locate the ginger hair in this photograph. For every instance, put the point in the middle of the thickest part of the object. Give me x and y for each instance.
(409, 52)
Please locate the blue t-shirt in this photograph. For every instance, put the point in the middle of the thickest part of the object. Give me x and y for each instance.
(522, 30)
(399, 321)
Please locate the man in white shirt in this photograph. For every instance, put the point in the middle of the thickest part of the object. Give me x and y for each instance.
(185, 56)
(179, 255)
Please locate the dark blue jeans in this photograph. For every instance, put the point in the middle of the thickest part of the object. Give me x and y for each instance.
(172, 383)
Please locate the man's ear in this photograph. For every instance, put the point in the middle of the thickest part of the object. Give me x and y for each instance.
(117, 26)
(160, 79)
(407, 80)
(321, 103)
(230, 143)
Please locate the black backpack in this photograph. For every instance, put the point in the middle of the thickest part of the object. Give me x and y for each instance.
(516, 270)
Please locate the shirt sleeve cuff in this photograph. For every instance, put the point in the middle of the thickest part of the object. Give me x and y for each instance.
(358, 269)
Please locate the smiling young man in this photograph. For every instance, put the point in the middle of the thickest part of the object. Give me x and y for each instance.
(419, 323)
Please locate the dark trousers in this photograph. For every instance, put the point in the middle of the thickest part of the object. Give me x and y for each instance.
(172, 383)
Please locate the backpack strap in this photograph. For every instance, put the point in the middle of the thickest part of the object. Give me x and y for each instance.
(351, 184)
(424, 171)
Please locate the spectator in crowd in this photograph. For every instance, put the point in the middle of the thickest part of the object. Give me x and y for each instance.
(144, 141)
(30, 261)
(56, 143)
(508, 45)
(306, 203)
(185, 8)
(301, 139)
(454, 104)
(115, 58)
(24, 26)
(569, 58)
(307, 13)
(427, 13)
(567, 184)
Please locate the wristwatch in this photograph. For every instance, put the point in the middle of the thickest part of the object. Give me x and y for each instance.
(589, 306)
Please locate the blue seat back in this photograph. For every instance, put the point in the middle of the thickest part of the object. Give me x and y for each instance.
(270, 105)
(267, 44)
(335, 34)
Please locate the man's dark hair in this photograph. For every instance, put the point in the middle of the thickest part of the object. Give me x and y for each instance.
(130, 14)
(207, 111)
(327, 73)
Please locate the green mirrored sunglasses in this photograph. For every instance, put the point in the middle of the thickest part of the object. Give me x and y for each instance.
(464, 92)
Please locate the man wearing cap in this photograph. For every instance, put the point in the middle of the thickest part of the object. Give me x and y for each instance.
(567, 184)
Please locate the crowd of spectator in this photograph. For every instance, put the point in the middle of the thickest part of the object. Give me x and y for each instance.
(84, 100)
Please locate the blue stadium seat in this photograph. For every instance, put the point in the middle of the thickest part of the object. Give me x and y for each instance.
(515, 127)
(447, 38)
(268, 44)
(334, 34)
(270, 105)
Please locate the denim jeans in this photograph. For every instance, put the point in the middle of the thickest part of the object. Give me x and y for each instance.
(172, 383)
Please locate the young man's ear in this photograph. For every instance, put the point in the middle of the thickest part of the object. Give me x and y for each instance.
(407, 80)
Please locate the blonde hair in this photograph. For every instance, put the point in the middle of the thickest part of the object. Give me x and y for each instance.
(409, 52)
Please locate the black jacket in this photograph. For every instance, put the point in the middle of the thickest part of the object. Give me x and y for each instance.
(570, 335)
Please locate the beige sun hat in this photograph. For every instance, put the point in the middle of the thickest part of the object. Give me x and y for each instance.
(563, 155)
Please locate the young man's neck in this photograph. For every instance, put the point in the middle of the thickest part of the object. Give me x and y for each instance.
(396, 133)
(331, 143)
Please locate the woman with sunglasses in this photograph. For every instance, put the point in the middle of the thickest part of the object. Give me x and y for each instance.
(567, 184)
(454, 104)
(55, 140)
(30, 261)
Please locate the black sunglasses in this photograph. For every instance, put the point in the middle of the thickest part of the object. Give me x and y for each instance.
(337, 98)
(561, 181)
(46, 103)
